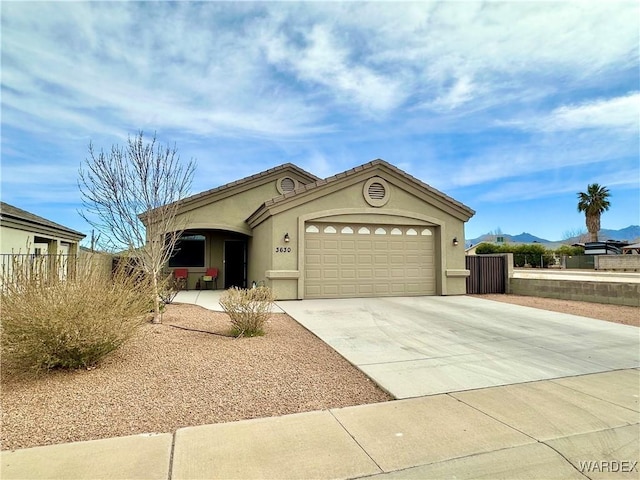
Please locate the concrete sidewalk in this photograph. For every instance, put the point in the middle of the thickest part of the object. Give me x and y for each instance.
(209, 299)
(575, 427)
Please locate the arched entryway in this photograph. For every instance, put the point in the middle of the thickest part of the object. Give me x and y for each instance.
(201, 249)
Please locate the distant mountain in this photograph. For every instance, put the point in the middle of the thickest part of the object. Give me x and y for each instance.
(630, 233)
(523, 237)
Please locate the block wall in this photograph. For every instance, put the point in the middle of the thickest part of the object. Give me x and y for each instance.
(596, 292)
(619, 263)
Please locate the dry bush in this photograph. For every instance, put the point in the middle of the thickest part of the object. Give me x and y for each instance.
(73, 322)
(249, 309)
(168, 288)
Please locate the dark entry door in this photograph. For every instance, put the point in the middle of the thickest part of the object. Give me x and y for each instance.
(235, 264)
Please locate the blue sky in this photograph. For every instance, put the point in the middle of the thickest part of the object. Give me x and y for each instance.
(510, 108)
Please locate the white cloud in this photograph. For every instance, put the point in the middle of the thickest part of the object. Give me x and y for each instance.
(284, 68)
(620, 113)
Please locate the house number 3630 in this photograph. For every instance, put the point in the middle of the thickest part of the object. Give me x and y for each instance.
(283, 249)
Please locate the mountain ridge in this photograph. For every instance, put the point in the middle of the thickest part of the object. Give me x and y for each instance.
(630, 234)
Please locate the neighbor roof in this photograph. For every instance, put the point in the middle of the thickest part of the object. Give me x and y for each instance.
(15, 217)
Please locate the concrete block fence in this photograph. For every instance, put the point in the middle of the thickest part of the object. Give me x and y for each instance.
(587, 291)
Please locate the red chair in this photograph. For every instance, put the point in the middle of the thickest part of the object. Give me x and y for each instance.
(211, 275)
(181, 275)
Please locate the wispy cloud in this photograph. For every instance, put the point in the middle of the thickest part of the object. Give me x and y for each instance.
(619, 113)
(467, 94)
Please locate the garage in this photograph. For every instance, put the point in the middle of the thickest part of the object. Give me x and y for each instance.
(361, 260)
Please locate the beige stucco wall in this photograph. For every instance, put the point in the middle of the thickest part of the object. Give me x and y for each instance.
(260, 257)
(13, 240)
(228, 210)
(344, 201)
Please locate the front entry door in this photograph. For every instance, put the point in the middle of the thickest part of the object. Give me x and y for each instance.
(235, 264)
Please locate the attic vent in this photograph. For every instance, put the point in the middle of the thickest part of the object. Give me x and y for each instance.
(376, 192)
(286, 185)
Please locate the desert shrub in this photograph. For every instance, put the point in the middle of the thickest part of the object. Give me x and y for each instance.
(523, 254)
(168, 289)
(68, 323)
(249, 309)
(570, 251)
(487, 248)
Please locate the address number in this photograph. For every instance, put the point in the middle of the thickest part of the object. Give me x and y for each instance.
(283, 249)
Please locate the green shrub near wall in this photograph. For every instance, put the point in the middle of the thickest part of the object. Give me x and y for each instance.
(534, 255)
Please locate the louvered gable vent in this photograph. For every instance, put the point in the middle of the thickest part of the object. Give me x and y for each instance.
(288, 185)
(376, 191)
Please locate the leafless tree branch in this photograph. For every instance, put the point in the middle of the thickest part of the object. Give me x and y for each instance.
(131, 195)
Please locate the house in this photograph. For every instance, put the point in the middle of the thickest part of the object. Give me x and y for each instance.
(371, 231)
(24, 232)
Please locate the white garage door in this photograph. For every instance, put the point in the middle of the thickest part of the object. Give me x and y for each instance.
(354, 260)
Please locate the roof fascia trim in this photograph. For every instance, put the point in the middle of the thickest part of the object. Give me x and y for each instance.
(239, 186)
(37, 228)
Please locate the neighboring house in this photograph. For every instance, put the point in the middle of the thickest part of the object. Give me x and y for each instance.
(22, 232)
(471, 249)
(633, 249)
(370, 231)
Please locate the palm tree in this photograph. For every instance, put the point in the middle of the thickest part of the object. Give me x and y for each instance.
(593, 203)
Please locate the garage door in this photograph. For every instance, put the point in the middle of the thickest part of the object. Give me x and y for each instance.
(354, 260)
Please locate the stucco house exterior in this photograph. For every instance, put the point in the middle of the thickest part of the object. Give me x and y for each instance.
(373, 230)
(22, 232)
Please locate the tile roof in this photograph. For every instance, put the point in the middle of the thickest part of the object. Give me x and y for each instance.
(248, 179)
(366, 166)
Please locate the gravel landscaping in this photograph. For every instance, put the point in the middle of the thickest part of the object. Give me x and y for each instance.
(168, 378)
(611, 313)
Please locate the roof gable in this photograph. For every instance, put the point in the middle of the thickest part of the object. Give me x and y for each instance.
(425, 191)
(247, 183)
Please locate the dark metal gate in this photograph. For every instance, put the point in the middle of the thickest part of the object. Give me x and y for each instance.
(488, 273)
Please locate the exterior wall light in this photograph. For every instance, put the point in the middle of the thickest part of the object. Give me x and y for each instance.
(286, 238)
(455, 241)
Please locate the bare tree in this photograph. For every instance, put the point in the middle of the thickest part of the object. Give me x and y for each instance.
(131, 196)
(579, 235)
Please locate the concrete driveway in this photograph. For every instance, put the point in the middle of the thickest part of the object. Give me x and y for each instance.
(417, 346)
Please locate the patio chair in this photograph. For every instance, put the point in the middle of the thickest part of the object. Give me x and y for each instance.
(211, 275)
(181, 275)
